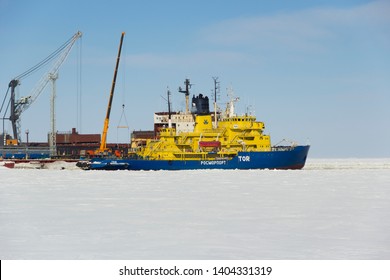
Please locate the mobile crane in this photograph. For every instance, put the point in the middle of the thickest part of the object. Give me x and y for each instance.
(103, 150)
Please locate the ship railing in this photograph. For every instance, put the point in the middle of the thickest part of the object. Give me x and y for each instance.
(215, 131)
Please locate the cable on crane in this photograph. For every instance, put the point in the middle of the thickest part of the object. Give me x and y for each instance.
(123, 116)
(5, 111)
(2, 104)
(45, 61)
(79, 87)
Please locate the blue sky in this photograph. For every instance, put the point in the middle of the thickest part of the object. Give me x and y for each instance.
(313, 71)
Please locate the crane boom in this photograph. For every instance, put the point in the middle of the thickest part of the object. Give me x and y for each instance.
(103, 143)
(19, 106)
(54, 70)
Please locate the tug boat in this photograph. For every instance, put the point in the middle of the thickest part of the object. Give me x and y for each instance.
(228, 142)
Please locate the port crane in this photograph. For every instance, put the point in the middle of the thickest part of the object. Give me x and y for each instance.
(17, 107)
(103, 143)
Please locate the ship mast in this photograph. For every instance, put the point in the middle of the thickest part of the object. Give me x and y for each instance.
(216, 91)
(187, 94)
(169, 109)
(230, 110)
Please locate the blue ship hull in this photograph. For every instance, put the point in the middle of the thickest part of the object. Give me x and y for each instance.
(282, 158)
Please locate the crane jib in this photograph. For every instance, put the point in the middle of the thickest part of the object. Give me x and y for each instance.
(103, 143)
(114, 79)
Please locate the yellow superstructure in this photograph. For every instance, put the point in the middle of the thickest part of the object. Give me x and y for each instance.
(232, 134)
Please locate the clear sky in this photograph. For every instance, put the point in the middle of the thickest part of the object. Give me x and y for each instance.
(313, 71)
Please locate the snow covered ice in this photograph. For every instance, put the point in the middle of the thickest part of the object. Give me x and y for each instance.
(332, 209)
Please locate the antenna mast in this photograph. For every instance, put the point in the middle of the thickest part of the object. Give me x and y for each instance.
(216, 92)
(169, 109)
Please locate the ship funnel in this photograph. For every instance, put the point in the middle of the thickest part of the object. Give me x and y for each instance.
(200, 105)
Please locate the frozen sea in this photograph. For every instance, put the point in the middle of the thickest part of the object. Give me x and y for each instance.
(332, 209)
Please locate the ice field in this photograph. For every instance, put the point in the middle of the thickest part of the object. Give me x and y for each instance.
(332, 209)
